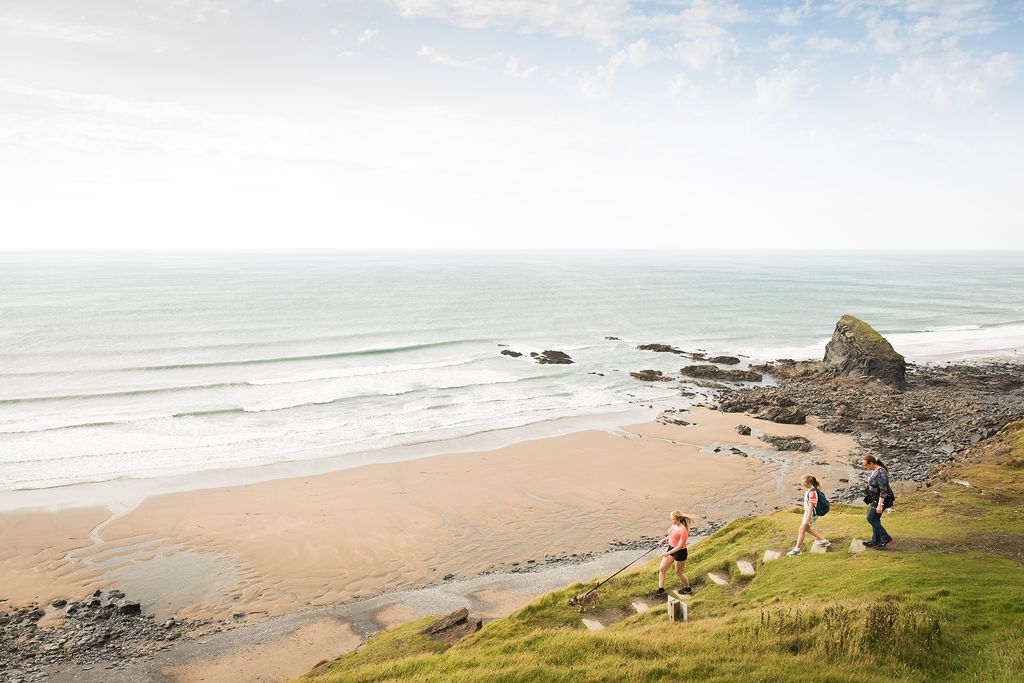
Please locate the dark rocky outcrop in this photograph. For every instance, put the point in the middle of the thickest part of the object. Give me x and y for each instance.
(714, 372)
(513, 354)
(942, 410)
(787, 415)
(857, 350)
(552, 358)
(724, 360)
(453, 627)
(671, 417)
(659, 348)
(666, 348)
(91, 631)
(447, 621)
(651, 376)
(613, 338)
(743, 430)
(787, 443)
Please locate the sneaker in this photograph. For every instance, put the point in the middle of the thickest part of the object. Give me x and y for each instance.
(823, 544)
(869, 544)
(660, 591)
(686, 590)
(883, 543)
(794, 552)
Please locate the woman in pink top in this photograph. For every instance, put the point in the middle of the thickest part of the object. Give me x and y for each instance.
(678, 535)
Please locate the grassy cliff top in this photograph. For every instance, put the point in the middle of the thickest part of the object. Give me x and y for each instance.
(947, 603)
(869, 339)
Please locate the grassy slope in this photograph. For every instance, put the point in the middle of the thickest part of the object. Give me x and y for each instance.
(947, 604)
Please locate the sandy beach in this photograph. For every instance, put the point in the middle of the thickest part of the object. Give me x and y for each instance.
(248, 553)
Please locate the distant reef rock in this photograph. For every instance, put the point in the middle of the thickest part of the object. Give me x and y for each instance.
(552, 358)
(724, 360)
(716, 373)
(513, 354)
(857, 350)
(651, 376)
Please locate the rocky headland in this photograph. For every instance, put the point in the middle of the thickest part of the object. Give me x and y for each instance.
(913, 417)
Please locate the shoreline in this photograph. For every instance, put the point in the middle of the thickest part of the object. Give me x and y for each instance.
(243, 558)
(288, 544)
(123, 494)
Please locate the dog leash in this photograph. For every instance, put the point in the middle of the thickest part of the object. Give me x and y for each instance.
(623, 569)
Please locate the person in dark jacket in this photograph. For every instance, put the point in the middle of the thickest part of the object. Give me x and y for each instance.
(879, 497)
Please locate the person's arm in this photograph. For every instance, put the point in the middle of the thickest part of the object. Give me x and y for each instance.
(882, 481)
(810, 501)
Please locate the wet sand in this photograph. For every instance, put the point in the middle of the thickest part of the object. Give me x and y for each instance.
(248, 553)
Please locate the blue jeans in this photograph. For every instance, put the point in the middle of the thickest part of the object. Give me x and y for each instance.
(878, 532)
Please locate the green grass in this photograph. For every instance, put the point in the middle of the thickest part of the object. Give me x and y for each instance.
(946, 604)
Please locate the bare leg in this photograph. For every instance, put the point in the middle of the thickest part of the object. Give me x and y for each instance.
(681, 573)
(800, 535)
(814, 533)
(666, 562)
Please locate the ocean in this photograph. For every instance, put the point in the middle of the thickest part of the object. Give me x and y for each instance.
(128, 364)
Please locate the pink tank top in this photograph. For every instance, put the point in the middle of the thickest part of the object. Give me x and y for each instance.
(677, 533)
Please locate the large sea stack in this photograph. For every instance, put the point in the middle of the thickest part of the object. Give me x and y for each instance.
(857, 350)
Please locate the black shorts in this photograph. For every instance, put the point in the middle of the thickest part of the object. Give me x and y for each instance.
(679, 555)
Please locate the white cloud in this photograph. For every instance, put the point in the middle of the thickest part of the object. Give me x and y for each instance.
(954, 76)
(514, 70)
(777, 87)
(98, 103)
(832, 45)
(438, 57)
(367, 35)
(597, 84)
(706, 40)
(600, 21)
(791, 16)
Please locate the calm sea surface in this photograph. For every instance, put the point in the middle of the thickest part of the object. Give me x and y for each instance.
(143, 364)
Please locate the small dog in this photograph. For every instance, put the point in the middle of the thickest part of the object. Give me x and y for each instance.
(584, 600)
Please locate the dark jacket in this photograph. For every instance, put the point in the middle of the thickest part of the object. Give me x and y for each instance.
(878, 489)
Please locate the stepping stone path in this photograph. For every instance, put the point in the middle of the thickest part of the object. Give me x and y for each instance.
(593, 624)
(745, 567)
(857, 546)
(770, 555)
(640, 607)
(821, 549)
(718, 578)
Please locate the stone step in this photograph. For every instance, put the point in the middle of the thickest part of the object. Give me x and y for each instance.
(718, 578)
(745, 567)
(857, 546)
(639, 606)
(770, 555)
(815, 548)
(593, 624)
(681, 596)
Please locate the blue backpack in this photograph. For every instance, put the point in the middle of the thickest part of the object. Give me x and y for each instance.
(822, 507)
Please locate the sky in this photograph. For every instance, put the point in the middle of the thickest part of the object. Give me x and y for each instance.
(511, 124)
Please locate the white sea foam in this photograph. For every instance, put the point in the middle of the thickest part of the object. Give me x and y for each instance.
(255, 362)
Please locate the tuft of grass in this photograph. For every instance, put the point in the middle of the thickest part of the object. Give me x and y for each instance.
(946, 604)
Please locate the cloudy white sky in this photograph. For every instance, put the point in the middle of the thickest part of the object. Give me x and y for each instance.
(511, 123)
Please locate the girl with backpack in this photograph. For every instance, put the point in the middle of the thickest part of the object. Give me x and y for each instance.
(879, 497)
(815, 505)
(678, 535)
